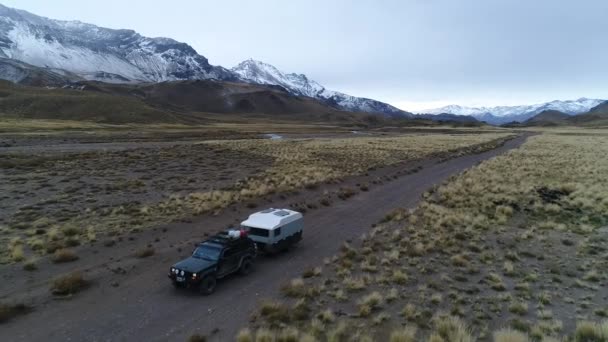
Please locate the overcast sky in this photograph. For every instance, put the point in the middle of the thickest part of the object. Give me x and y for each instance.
(414, 54)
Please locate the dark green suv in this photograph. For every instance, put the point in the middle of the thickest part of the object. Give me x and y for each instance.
(213, 259)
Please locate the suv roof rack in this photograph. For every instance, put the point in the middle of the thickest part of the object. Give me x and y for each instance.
(222, 238)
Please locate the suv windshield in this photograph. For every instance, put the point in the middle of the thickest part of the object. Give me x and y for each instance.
(208, 252)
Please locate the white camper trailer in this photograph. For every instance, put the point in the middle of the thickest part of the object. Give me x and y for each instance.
(274, 230)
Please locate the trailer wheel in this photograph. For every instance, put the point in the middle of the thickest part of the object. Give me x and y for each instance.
(208, 284)
(246, 266)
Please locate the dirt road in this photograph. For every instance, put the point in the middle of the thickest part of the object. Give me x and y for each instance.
(141, 305)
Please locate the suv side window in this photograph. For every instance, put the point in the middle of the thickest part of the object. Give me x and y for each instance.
(277, 232)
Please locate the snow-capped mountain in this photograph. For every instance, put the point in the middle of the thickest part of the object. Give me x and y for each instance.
(89, 52)
(504, 114)
(97, 53)
(262, 73)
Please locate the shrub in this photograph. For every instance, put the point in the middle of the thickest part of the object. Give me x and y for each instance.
(519, 308)
(460, 260)
(496, 282)
(409, 312)
(326, 316)
(68, 284)
(312, 272)
(17, 253)
(197, 338)
(64, 255)
(8, 311)
(288, 335)
(244, 335)
(346, 193)
(70, 230)
(373, 300)
(145, 252)
(392, 295)
(354, 284)
(295, 288)
(544, 298)
(264, 335)
(399, 277)
(300, 310)
(436, 298)
(30, 265)
(380, 318)
(274, 312)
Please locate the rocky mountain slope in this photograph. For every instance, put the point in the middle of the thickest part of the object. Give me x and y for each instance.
(184, 102)
(548, 118)
(99, 53)
(262, 73)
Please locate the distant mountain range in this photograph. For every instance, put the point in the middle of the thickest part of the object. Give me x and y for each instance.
(596, 116)
(73, 51)
(505, 114)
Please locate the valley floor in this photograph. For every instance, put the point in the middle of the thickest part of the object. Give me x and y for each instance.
(128, 297)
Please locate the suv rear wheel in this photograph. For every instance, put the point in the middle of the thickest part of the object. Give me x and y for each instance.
(208, 284)
(246, 266)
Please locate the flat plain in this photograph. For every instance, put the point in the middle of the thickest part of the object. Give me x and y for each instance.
(511, 250)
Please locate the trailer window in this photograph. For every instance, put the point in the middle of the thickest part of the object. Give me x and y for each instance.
(277, 232)
(258, 232)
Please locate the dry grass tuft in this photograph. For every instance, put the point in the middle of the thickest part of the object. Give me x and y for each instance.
(452, 329)
(510, 335)
(591, 332)
(407, 334)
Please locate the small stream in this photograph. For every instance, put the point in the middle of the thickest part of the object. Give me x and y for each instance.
(273, 136)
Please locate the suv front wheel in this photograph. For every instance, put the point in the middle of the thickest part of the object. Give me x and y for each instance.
(246, 266)
(207, 285)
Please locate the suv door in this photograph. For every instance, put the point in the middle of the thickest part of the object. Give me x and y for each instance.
(229, 261)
